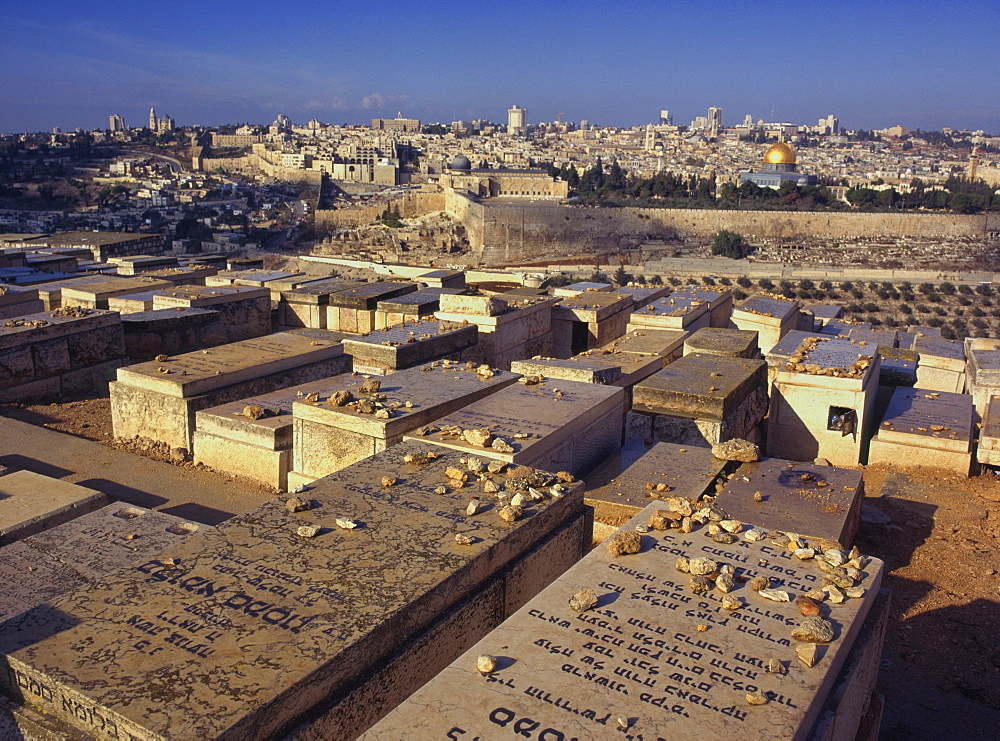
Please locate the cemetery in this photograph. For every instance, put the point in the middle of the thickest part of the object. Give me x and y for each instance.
(588, 511)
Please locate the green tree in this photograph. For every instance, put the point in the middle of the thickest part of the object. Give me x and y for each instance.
(730, 244)
(621, 278)
(744, 282)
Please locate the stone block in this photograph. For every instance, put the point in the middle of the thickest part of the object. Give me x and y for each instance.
(31, 503)
(172, 332)
(898, 366)
(407, 346)
(619, 488)
(643, 295)
(366, 296)
(680, 312)
(689, 429)
(472, 305)
(771, 317)
(817, 502)
(328, 438)
(132, 303)
(704, 386)
(557, 426)
(734, 343)
(988, 451)
(639, 655)
(581, 369)
(941, 354)
(95, 294)
(311, 616)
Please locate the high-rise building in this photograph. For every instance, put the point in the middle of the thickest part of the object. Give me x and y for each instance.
(517, 120)
(584, 124)
(666, 119)
(116, 123)
(715, 119)
(831, 124)
(152, 119)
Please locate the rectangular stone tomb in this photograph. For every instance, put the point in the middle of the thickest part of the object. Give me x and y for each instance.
(411, 307)
(43, 566)
(31, 503)
(865, 335)
(643, 295)
(95, 294)
(735, 343)
(843, 327)
(245, 311)
(988, 451)
(719, 300)
(67, 351)
(232, 438)
(651, 660)
(982, 374)
(784, 349)
(554, 426)
(583, 369)
(306, 305)
(575, 289)
(642, 472)
(521, 329)
(158, 399)
(237, 631)
(770, 316)
(50, 293)
(942, 364)
(673, 312)
(132, 303)
(588, 320)
(898, 366)
(400, 347)
(924, 428)
(258, 278)
(328, 438)
(823, 402)
(700, 400)
(824, 313)
(354, 310)
(818, 502)
(18, 301)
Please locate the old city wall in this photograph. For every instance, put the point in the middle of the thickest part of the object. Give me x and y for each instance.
(411, 204)
(507, 232)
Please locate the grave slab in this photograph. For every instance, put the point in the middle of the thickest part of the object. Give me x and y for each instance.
(56, 561)
(410, 344)
(522, 331)
(734, 343)
(575, 289)
(719, 300)
(95, 294)
(161, 405)
(988, 451)
(618, 488)
(898, 366)
(259, 278)
(640, 655)
(673, 312)
(643, 295)
(772, 317)
(328, 438)
(705, 386)
(309, 619)
(556, 425)
(18, 301)
(578, 368)
(818, 502)
(31, 503)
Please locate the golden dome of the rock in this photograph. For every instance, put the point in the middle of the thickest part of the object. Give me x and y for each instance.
(779, 154)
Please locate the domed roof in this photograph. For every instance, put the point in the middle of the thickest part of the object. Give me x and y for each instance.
(779, 154)
(461, 162)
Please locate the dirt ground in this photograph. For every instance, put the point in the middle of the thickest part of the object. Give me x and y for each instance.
(939, 536)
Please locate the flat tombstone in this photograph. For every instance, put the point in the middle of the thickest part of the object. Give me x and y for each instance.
(673, 312)
(820, 502)
(668, 663)
(734, 343)
(666, 342)
(988, 451)
(160, 644)
(472, 305)
(886, 337)
(247, 277)
(925, 428)
(939, 353)
(31, 503)
(620, 487)
(405, 346)
(95, 295)
(366, 296)
(578, 368)
(558, 425)
(826, 312)
(643, 295)
(200, 297)
(574, 289)
(702, 386)
(898, 367)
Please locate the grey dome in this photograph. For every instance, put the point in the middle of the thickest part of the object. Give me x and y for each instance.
(461, 162)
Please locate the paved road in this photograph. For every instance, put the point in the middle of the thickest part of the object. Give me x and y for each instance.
(192, 493)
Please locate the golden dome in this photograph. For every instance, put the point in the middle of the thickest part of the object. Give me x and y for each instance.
(779, 154)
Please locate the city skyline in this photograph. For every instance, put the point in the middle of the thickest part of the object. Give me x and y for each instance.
(912, 64)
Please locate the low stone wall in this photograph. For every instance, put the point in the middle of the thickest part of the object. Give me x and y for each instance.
(170, 332)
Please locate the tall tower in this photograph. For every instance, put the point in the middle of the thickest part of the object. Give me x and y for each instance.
(517, 120)
(116, 123)
(715, 119)
(665, 118)
(152, 119)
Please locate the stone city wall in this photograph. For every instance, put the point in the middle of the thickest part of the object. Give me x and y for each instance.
(411, 204)
(504, 232)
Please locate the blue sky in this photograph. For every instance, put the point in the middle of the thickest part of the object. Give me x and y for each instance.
(873, 64)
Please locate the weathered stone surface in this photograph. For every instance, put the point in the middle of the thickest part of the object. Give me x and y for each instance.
(736, 450)
(366, 296)
(581, 369)
(898, 366)
(472, 305)
(704, 386)
(815, 501)
(405, 346)
(618, 681)
(734, 343)
(303, 613)
(95, 294)
(31, 503)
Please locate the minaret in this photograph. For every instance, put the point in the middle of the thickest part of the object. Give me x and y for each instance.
(152, 119)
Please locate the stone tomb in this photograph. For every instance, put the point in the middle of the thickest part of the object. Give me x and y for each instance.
(589, 320)
(824, 313)
(396, 348)
(817, 502)
(651, 660)
(239, 630)
(942, 364)
(50, 293)
(18, 301)
(59, 353)
(898, 367)
(924, 428)
(771, 317)
(411, 307)
(228, 440)
(306, 306)
(779, 355)
(700, 400)
(158, 399)
(31, 503)
(620, 487)
(245, 311)
(823, 402)
(719, 300)
(509, 328)
(869, 335)
(988, 451)
(575, 289)
(643, 295)
(133, 302)
(675, 312)
(354, 310)
(580, 368)
(982, 376)
(95, 294)
(733, 343)
(259, 278)
(328, 438)
(554, 426)
(43, 566)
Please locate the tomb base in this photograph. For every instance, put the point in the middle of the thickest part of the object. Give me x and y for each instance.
(253, 461)
(914, 457)
(743, 423)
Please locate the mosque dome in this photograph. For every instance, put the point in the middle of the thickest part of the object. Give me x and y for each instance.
(461, 162)
(779, 154)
